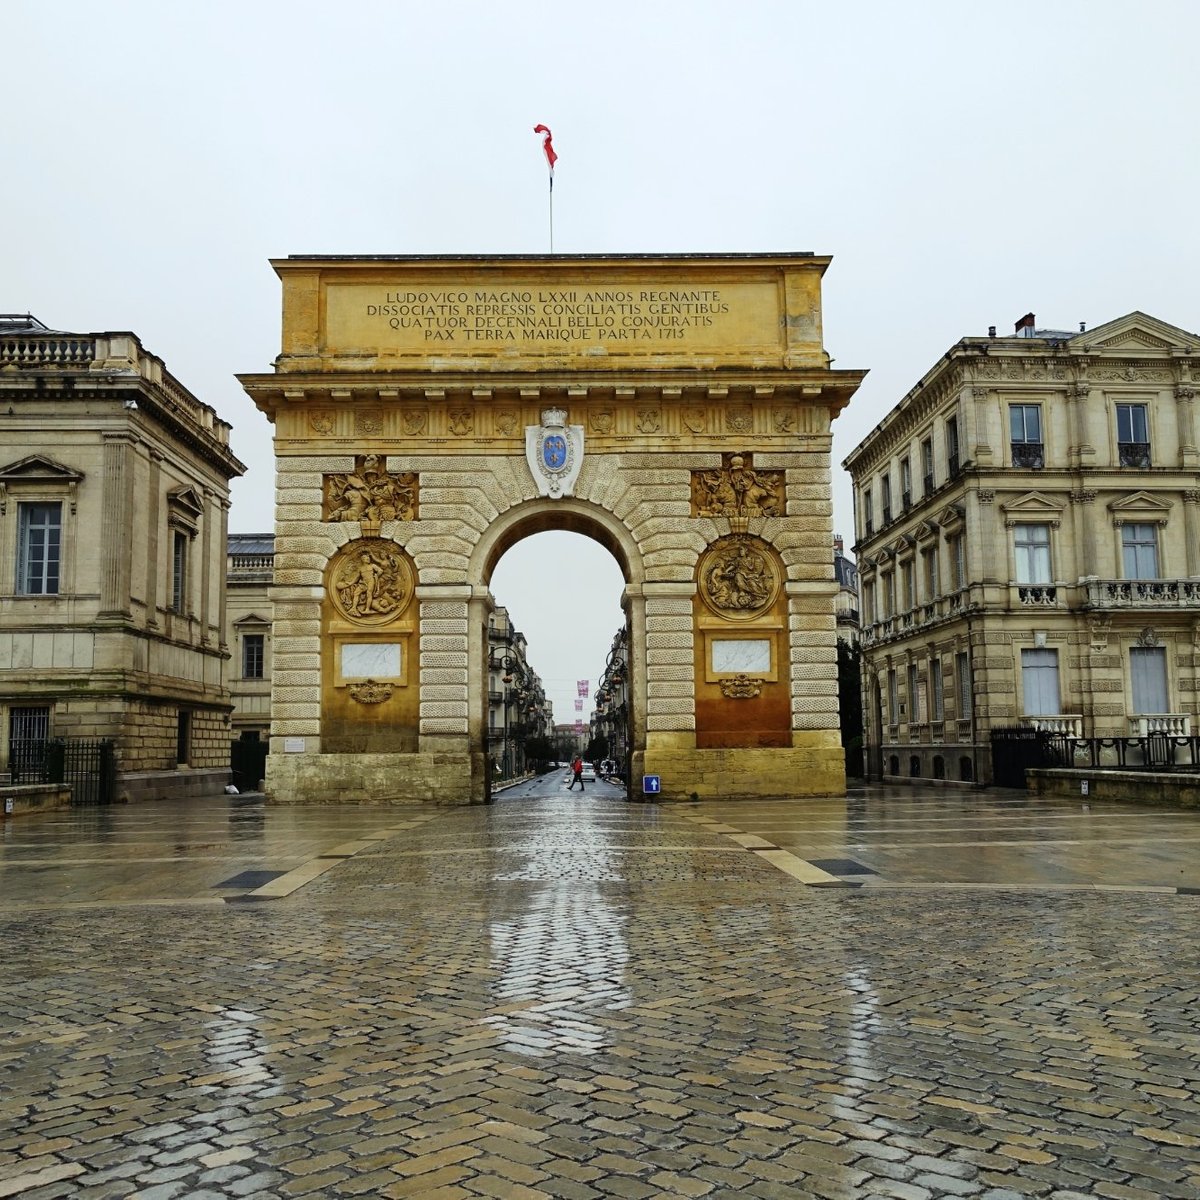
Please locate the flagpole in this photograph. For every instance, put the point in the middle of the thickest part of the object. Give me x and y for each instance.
(551, 157)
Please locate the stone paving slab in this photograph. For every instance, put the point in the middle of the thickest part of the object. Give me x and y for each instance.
(595, 999)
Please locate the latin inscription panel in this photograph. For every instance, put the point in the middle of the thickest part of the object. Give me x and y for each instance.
(525, 318)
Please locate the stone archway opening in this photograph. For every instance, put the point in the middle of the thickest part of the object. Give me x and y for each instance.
(560, 621)
(431, 412)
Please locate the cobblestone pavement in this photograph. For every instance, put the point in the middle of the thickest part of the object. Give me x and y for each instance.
(588, 998)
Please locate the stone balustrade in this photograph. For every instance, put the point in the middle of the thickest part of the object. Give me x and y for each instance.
(1171, 724)
(1142, 593)
(1069, 724)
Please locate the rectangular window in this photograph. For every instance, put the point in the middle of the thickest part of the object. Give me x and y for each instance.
(952, 459)
(1039, 682)
(935, 691)
(914, 704)
(932, 583)
(1133, 435)
(179, 547)
(39, 549)
(905, 483)
(960, 562)
(893, 699)
(1139, 551)
(253, 647)
(927, 464)
(1031, 552)
(1025, 433)
(891, 593)
(887, 498)
(868, 594)
(910, 586)
(1148, 675)
(868, 511)
(962, 666)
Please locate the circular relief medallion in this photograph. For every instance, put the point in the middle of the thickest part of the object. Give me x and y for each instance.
(739, 579)
(371, 581)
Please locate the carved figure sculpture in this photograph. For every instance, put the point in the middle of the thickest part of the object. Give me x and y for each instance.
(372, 582)
(371, 493)
(739, 578)
(737, 490)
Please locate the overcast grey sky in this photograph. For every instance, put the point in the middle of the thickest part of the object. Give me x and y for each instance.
(964, 163)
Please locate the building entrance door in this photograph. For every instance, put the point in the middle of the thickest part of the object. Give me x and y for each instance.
(430, 412)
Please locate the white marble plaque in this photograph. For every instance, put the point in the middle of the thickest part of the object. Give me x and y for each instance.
(370, 660)
(743, 656)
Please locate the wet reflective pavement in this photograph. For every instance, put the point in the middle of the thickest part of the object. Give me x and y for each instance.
(908, 993)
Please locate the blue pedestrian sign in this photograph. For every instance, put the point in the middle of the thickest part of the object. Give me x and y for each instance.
(651, 783)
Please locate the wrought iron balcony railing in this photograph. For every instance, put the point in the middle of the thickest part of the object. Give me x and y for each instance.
(1133, 454)
(1028, 454)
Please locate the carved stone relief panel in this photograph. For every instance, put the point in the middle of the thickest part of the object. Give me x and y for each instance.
(321, 422)
(370, 581)
(414, 421)
(736, 489)
(738, 577)
(506, 422)
(370, 493)
(603, 421)
(739, 419)
(368, 424)
(462, 421)
(649, 420)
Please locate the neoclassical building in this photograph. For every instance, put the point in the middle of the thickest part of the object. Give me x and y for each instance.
(430, 412)
(114, 495)
(1028, 540)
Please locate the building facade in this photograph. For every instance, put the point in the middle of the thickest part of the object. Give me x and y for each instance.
(249, 569)
(518, 710)
(114, 495)
(1028, 539)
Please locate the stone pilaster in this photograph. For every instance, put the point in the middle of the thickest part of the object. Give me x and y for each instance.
(116, 561)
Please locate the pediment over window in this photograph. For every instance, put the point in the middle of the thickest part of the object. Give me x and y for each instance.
(37, 468)
(902, 547)
(1136, 331)
(951, 517)
(252, 621)
(1138, 507)
(187, 499)
(1033, 506)
(926, 531)
(184, 508)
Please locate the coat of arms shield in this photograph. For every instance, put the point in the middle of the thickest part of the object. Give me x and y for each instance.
(554, 451)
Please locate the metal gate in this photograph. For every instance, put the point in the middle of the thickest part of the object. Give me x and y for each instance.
(1015, 749)
(28, 729)
(87, 765)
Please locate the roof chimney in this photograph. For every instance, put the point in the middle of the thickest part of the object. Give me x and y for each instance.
(838, 544)
(991, 331)
(1024, 327)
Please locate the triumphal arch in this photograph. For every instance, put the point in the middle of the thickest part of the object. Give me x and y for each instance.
(430, 412)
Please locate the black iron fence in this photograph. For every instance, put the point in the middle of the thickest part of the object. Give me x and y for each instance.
(86, 765)
(1149, 752)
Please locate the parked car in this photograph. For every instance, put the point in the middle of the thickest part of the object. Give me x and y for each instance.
(589, 772)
